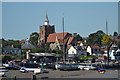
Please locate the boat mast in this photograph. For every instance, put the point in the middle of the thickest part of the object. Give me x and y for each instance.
(63, 39)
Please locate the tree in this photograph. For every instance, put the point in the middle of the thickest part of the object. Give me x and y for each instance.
(115, 34)
(119, 45)
(6, 59)
(34, 38)
(106, 39)
(79, 38)
(100, 32)
(4, 43)
(38, 50)
(95, 38)
(57, 51)
(15, 43)
(46, 47)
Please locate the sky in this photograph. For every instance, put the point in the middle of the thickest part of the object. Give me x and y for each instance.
(20, 19)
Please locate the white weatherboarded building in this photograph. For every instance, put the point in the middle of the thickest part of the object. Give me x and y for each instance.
(76, 51)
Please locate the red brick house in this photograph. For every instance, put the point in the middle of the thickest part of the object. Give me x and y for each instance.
(56, 40)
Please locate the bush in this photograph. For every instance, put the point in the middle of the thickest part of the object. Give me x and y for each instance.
(6, 59)
(38, 50)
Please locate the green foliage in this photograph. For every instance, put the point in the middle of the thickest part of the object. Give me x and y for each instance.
(92, 56)
(79, 38)
(38, 50)
(87, 57)
(84, 58)
(57, 51)
(15, 43)
(6, 58)
(10, 57)
(3, 42)
(106, 39)
(76, 59)
(17, 56)
(100, 32)
(34, 38)
(44, 49)
(58, 55)
(1, 57)
(115, 34)
(119, 45)
(95, 38)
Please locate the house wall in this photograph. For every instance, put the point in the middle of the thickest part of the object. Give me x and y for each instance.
(54, 46)
(12, 51)
(72, 50)
(81, 53)
(68, 35)
(112, 55)
(117, 55)
(89, 50)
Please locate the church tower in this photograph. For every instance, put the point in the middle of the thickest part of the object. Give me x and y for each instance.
(46, 22)
(45, 30)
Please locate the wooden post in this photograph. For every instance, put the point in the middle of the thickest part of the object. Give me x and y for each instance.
(34, 77)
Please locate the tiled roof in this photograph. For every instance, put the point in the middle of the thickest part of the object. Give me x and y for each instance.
(70, 40)
(79, 42)
(27, 45)
(52, 37)
(22, 41)
(117, 40)
(95, 47)
(61, 41)
(104, 49)
(69, 46)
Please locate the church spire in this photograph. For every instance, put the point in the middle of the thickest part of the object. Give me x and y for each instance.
(46, 22)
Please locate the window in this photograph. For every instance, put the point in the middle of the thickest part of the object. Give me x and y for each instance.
(95, 49)
(42, 32)
(72, 51)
